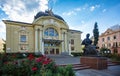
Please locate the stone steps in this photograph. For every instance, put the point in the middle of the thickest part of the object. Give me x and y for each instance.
(112, 63)
(81, 66)
(78, 66)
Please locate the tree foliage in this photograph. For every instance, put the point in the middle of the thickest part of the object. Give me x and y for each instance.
(96, 34)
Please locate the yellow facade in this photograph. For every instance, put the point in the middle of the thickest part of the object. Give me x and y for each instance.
(46, 34)
(2, 42)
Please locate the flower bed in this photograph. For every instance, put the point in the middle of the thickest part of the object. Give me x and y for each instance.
(32, 66)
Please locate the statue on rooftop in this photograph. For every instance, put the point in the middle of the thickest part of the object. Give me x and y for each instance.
(89, 49)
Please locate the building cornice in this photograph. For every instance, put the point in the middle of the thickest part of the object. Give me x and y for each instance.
(102, 35)
(75, 30)
(17, 23)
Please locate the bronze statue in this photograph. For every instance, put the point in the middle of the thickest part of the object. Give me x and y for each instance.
(87, 41)
(89, 49)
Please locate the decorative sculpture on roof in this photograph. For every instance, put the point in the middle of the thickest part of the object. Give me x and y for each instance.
(48, 13)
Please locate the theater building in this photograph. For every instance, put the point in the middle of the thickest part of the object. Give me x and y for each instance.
(47, 34)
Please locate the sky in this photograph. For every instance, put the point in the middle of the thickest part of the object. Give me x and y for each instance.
(80, 15)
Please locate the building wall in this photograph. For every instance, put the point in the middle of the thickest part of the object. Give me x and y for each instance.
(76, 37)
(13, 31)
(111, 42)
(2, 42)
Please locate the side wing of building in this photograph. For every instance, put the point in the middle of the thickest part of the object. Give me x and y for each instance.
(19, 37)
(75, 41)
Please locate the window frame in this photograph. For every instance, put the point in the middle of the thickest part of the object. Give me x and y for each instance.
(23, 38)
(51, 32)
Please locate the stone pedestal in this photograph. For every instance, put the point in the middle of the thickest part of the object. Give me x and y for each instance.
(98, 63)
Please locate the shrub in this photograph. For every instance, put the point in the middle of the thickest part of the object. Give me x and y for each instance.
(115, 57)
(31, 66)
(76, 54)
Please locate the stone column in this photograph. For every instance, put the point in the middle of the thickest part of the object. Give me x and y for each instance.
(43, 47)
(69, 48)
(63, 42)
(36, 41)
(42, 42)
(66, 41)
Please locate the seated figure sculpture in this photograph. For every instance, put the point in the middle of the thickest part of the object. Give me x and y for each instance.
(89, 49)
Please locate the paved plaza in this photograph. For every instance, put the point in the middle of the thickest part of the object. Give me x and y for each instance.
(111, 71)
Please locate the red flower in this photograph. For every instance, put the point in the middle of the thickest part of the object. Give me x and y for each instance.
(46, 62)
(31, 57)
(34, 68)
(39, 59)
(6, 62)
(43, 56)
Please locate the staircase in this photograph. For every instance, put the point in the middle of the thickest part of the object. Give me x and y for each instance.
(112, 63)
(80, 67)
(77, 67)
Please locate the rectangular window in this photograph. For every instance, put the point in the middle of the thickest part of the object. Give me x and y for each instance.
(114, 44)
(109, 45)
(114, 37)
(72, 41)
(103, 39)
(108, 38)
(24, 47)
(103, 45)
(72, 48)
(23, 38)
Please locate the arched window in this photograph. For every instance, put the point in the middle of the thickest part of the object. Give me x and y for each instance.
(50, 32)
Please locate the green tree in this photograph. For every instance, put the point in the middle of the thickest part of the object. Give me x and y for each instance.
(95, 34)
(4, 47)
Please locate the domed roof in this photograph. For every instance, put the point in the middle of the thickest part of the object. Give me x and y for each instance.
(48, 13)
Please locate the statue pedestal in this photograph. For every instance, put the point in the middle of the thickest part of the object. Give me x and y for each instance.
(98, 63)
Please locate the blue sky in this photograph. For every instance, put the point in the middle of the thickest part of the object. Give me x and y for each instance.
(79, 14)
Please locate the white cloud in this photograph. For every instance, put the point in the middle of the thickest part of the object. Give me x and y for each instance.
(92, 8)
(43, 5)
(73, 12)
(104, 10)
(2, 30)
(77, 9)
(18, 9)
(82, 22)
(69, 13)
(21, 10)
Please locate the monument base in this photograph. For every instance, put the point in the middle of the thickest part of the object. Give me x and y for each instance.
(98, 63)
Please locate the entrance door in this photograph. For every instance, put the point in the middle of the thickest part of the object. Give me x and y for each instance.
(52, 51)
(51, 48)
(57, 51)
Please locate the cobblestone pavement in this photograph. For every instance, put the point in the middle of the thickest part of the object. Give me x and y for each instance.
(111, 71)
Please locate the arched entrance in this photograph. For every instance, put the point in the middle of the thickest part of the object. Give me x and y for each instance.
(51, 41)
(52, 46)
